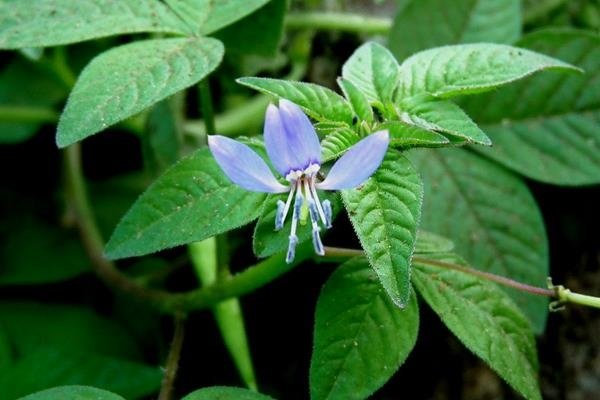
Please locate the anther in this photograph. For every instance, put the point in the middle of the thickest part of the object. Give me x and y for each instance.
(279, 215)
(328, 213)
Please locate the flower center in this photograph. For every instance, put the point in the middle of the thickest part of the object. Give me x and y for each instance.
(304, 193)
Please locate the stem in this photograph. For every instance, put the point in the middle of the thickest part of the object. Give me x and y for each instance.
(345, 22)
(341, 252)
(247, 281)
(27, 114)
(166, 388)
(245, 118)
(488, 276)
(206, 107)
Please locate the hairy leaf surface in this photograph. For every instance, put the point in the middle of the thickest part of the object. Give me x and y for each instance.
(361, 336)
(225, 393)
(374, 71)
(449, 71)
(40, 23)
(317, 101)
(73, 392)
(485, 319)
(191, 201)
(385, 213)
(546, 127)
(491, 217)
(128, 79)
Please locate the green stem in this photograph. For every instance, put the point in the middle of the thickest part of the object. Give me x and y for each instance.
(340, 252)
(345, 22)
(166, 388)
(28, 114)
(245, 282)
(206, 107)
(243, 119)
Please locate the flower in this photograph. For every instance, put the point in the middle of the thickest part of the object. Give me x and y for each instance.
(294, 150)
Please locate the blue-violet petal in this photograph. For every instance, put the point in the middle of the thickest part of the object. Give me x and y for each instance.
(290, 139)
(358, 163)
(243, 166)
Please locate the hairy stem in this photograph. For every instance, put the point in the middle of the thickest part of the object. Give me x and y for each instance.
(247, 281)
(345, 22)
(166, 388)
(341, 252)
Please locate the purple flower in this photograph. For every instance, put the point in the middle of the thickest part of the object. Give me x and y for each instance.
(294, 149)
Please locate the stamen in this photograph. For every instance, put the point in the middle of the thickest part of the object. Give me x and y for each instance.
(314, 218)
(313, 191)
(279, 215)
(328, 213)
(293, 239)
(282, 211)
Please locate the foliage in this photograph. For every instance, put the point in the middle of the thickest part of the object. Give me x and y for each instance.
(450, 83)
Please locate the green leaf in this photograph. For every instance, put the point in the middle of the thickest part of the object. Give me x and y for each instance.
(470, 68)
(485, 319)
(374, 71)
(162, 139)
(73, 393)
(225, 393)
(40, 23)
(406, 135)
(428, 242)
(385, 212)
(191, 201)
(361, 336)
(500, 230)
(424, 24)
(337, 142)
(64, 327)
(442, 116)
(258, 33)
(267, 241)
(28, 254)
(50, 367)
(357, 99)
(128, 79)
(546, 127)
(317, 101)
(5, 350)
(21, 83)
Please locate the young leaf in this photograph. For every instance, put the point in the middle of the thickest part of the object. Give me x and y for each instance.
(357, 99)
(406, 135)
(470, 68)
(546, 127)
(317, 101)
(485, 319)
(191, 201)
(500, 230)
(425, 24)
(50, 367)
(225, 393)
(385, 212)
(74, 393)
(374, 71)
(40, 23)
(361, 336)
(337, 142)
(441, 116)
(267, 241)
(128, 79)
